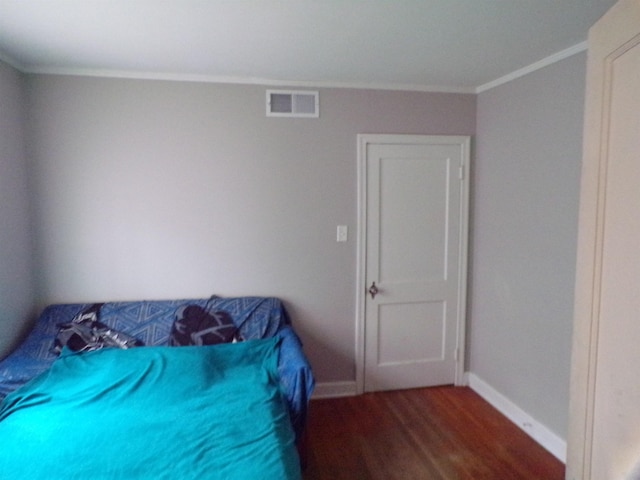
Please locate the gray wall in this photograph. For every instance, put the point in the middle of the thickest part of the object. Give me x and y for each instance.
(152, 189)
(525, 210)
(16, 292)
(162, 189)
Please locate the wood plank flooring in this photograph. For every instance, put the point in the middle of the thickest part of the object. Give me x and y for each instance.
(430, 433)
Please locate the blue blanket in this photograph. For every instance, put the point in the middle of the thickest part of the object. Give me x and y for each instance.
(151, 321)
(213, 412)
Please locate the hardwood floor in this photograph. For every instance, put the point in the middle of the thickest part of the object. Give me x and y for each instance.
(430, 433)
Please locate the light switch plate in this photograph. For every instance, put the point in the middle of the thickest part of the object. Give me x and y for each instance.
(342, 233)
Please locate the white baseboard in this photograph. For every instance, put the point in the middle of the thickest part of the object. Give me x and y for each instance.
(334, 390)
(540, 433)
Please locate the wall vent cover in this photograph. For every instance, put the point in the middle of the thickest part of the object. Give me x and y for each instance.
(293, 103)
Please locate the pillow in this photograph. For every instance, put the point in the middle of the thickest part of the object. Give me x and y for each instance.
(196, 326)
(85, 333)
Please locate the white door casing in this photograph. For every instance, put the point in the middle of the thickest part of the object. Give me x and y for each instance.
(412, 241)
(604, 413)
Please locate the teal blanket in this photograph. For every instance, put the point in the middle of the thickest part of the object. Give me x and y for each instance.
(213, 412)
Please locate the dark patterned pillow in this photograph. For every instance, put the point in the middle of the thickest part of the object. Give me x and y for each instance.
(85, 333)
(196, 326)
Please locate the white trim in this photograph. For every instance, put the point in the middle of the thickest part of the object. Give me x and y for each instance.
(536, 430)
(551, 59)
(361, 251)
(12, 62)
(334, 390)
(461, 378)
(204, 78)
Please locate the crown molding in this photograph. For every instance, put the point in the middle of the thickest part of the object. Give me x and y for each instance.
(551, 59)
(12, 62)
(203, 78)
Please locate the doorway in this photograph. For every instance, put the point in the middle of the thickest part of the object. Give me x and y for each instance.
(412, 242)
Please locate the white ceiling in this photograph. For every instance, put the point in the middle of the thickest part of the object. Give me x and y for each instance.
(452, 45)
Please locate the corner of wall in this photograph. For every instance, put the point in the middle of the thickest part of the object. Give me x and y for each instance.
(556, 445)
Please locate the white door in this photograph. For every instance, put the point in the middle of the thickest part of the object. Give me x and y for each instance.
(604, 429)
(413, 214)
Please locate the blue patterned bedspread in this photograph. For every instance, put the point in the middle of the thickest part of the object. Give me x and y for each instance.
(151, 321)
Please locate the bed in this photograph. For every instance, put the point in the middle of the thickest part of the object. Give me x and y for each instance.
(212, 388)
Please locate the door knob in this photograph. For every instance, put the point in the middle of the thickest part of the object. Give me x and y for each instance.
(373, 290)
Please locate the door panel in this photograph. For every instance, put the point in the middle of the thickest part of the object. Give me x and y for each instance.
(408, 186)
(411, 332)
(415, 226)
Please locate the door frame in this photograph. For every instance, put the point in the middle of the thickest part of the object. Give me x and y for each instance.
(364, 140)
(614, 34)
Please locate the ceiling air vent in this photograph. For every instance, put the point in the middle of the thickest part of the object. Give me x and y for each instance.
(292, 103)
